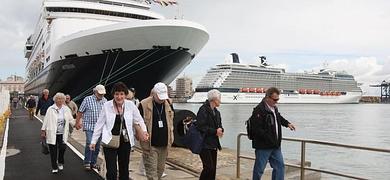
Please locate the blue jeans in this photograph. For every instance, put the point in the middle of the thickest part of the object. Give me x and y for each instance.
(91, 156)
(275, 158)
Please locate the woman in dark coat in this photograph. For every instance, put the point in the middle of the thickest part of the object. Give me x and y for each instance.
(209, 123)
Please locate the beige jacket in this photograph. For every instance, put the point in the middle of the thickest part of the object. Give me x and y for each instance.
(73, 107)
(147, 107)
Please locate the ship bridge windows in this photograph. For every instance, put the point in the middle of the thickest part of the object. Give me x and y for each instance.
(121, 4)
(97, 11)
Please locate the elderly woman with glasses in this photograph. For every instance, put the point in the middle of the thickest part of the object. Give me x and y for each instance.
(209, 123)
(55, 129)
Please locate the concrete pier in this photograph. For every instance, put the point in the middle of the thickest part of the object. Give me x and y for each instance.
(24, 159)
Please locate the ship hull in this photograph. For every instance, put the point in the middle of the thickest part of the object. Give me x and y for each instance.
(254, 98)
(140, 69)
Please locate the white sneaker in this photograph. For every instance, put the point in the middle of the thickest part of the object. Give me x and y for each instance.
(54, 171)
(164, 175)
(60, 167)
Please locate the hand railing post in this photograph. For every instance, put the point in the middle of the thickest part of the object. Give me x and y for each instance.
(238, 156)
(303, 154)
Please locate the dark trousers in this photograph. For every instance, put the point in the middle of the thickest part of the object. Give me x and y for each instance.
(209, 161)
(57, 152)
(122, 154)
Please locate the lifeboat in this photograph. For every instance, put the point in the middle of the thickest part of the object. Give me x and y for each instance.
(317, 91)
(259, 90)
(310, 91)
(244, 89)
(302, 91)
(252, 90)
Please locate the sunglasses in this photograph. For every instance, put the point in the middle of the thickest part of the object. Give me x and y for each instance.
(276, 100)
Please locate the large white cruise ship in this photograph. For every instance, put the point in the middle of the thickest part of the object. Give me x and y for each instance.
(244, 83)
(78, 44)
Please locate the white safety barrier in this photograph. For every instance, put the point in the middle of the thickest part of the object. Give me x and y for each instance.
(4, 114)
(4, 102)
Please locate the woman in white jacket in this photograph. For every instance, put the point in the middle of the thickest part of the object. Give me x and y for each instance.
(55, 129)
(117, 118)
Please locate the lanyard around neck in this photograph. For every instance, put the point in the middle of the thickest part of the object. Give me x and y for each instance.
(117, 109)
(161, 110)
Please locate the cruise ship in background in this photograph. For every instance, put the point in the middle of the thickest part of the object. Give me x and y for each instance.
(78, 44)
(245, 83)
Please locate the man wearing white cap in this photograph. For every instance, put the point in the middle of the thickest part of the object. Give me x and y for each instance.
(89, 111)
(158, 115)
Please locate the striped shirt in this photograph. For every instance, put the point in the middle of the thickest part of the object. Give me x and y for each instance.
(91, 107)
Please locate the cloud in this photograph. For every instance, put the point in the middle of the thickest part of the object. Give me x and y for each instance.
(17, 19)
(385, 71)
(366, 70)
(348, 26)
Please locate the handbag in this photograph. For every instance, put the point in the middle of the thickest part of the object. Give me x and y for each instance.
(115, 140)
(44, 147)
(193, 139)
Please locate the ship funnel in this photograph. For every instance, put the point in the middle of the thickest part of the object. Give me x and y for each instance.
(235, 58)
(263, 60)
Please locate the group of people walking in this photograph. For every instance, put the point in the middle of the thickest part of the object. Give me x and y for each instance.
(116, 125)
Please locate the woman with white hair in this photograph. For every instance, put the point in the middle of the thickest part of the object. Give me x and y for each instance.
(210, 125)
(55, 130)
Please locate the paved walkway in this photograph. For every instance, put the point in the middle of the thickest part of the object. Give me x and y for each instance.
(24, 158)
(174, 173)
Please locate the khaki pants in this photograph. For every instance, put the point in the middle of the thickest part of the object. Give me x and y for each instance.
(155, 162)
(31, 112)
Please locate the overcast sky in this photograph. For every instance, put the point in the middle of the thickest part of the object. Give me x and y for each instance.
(350, 35)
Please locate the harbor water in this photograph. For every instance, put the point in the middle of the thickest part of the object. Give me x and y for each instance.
(353, 124)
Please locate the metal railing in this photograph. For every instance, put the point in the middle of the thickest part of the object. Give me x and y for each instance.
(302, 165)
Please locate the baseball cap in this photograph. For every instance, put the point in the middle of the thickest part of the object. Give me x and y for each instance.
(100, 89)
(161, 90)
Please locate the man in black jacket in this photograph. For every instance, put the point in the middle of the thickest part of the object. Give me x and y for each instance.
(209, 123)
(43, 103)
(31, 104)
(267, 135)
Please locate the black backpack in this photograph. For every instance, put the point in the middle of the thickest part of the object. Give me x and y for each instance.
(248, 125)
